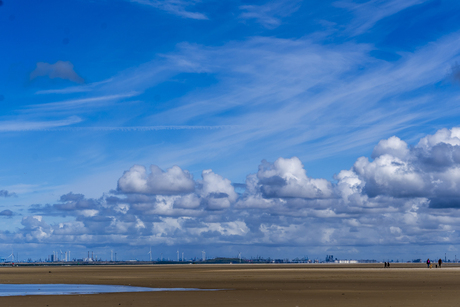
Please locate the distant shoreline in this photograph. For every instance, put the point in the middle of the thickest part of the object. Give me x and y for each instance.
(210, 263)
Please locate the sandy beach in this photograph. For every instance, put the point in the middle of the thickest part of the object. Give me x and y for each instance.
(246, 285)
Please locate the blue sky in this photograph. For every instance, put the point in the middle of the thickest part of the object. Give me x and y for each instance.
(276, 128)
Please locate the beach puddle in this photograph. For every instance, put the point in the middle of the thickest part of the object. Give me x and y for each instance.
(69, 289)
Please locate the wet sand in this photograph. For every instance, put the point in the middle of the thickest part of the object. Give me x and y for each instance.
(247, 285)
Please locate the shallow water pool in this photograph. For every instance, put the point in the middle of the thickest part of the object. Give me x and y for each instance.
(69, 289)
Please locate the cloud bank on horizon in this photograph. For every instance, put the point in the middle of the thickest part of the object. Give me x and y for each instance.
(136, 122)
(402, 195)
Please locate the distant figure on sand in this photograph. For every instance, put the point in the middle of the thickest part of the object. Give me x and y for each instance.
(440, 262)
(428, 263)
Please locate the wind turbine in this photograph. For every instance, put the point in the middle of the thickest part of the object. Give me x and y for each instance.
(150, 254)
(12, 257)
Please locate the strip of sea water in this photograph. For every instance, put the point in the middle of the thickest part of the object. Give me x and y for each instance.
(71, 289)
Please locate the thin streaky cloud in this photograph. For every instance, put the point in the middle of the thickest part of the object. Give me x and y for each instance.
(78, 103)
(270, 14)
(174, 7)
(263, 65)
(75, 89)
(10, 126)
(371, 12)
(305, 66)
(140, 128)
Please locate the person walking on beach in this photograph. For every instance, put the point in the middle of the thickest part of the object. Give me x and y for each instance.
(428, 263)
(440, 262)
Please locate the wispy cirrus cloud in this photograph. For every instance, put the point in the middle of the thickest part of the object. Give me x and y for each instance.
(22, 125)
(75, 89)
(271, 13)
(296, 89)
(288, 90)
(140, 128)
(174, 7)
(74, 104)
(370, 12)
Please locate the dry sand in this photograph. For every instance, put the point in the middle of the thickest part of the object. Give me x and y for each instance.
(247, 285)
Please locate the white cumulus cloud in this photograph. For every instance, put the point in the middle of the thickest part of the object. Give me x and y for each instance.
(288, 178)
(173, 181)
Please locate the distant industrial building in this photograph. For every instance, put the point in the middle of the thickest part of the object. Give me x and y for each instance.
(329, 258)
